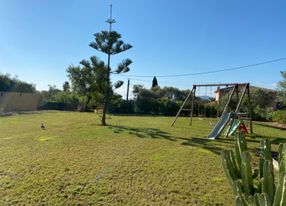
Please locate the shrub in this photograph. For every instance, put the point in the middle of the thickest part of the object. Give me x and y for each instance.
(123, 106)
(279, 116)
(260, 114)
(61, 101)
(171, 108)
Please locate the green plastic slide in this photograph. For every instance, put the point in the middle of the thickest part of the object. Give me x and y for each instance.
(234, 127)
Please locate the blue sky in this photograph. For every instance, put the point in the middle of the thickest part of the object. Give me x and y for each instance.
(39, 39)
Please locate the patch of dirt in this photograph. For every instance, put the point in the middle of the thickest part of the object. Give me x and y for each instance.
(273, 124)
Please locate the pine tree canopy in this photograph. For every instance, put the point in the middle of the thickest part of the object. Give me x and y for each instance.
(123, 66)
(109, 43)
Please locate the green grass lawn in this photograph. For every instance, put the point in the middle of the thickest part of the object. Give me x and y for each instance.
(138, 160)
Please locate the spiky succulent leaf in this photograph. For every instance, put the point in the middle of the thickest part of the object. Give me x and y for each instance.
(282, 158)
(235, 166)
(280, 150)
(240, 146)
(238, 201)
(228, 166)
(243, 200)
(280, 194)
(246, 174)
(259, 186)
(262, 199)
(268, 184)
(264, 154)
(237, 188)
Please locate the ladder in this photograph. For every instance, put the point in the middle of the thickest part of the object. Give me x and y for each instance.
(191, 95)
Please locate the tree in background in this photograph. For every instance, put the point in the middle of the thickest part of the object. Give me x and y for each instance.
(154, 82)
(66, 86)
(56, 99)
(263, 98)
(87, 79)
(9, 84)
(282, 87)
(136, 89)
(158, 100)
(52, 90)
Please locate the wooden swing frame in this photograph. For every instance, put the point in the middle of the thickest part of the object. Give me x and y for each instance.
(235, 90)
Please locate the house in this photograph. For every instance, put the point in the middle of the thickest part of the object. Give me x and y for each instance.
(15, 101)
(221, 92)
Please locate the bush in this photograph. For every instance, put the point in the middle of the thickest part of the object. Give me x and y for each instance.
(61, 101)
(124, 106)
(279, 116)
(171, 108)
(260, 114)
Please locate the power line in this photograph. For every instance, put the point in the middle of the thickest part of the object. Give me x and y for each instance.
(140, 80)
(209, 72)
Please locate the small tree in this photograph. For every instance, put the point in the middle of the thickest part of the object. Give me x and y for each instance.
(154, 82)
(66, 86)
(282, 87)
(83, 80)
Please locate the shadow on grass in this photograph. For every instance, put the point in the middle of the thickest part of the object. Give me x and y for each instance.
(143, 132)
(257, 137)
(278, 140)
(215, 146)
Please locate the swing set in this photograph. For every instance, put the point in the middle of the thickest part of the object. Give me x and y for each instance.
(231, 116)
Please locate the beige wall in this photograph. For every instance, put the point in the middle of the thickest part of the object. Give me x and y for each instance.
(14, 101)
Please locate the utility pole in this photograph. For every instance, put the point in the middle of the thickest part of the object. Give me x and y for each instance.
(128, 84)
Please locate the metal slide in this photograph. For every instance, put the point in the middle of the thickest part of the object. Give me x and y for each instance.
(220, 125)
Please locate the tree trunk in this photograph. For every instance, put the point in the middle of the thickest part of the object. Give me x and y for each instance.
(106, 98)
(88, 100)
(103, 118)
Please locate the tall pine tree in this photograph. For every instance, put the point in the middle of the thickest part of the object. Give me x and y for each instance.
(154, 82)
(95, 74)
